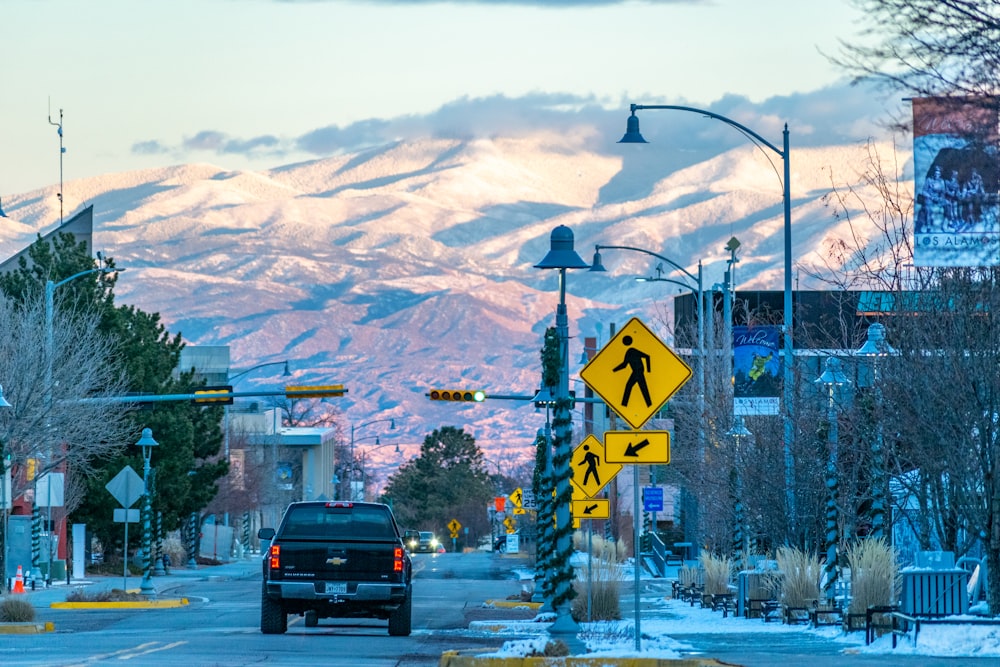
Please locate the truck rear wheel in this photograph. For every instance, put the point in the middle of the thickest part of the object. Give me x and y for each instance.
(400, 621)
(273, 619)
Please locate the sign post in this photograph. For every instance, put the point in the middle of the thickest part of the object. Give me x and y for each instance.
(126, 487)
(635, 374)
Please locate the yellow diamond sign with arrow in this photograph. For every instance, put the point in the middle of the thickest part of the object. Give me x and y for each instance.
(635, 373)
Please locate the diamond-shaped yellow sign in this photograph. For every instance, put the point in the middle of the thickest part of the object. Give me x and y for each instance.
(635, 373)
(590, 471)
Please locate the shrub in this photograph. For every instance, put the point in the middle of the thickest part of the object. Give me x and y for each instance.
(798, 577)
(718, 571)
(16, 610)
(106, 595)
(688, 576)
(874, 575)
(604, 575)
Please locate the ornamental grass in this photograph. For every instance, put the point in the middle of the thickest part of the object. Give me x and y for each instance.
(797, 577)
(874, 575)
(718, 572)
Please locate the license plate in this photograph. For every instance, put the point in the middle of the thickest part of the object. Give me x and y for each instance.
(334, 587)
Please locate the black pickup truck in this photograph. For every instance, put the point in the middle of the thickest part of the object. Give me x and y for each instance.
(335, 560)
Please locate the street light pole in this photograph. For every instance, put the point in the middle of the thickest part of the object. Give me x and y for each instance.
(562, 256)
(632, 136)
(876, 346)
(147, 443)
(350, 471)
(699, 292)
(741, 534)
(831, 378)
(36, 516)
(4, 507)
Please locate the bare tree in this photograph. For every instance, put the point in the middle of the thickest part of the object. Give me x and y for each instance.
(63, 426)
(67, 422)
(928, 47)
(941, 392)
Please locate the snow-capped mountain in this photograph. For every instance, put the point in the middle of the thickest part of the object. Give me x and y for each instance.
(410, 266)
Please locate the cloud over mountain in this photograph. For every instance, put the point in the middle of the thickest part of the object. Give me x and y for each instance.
(409, 265)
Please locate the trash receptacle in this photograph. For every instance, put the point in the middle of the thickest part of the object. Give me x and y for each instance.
(935, 592)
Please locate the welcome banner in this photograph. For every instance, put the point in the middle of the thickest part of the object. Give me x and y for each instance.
(756, 370)
(956, 181)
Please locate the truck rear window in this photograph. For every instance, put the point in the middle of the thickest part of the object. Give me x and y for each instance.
(319, 522)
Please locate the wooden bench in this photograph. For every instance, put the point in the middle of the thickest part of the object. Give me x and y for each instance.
(820, 616)
(901, 623)
(724, 602)
(796, 615)
(887, 621)
(670, 558)
(770, 610)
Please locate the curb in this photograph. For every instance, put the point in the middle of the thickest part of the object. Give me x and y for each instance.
(26, 628)
(144, 604)
(511, 604)
(453, 659)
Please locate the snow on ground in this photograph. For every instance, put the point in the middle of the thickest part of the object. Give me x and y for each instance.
(662, 618)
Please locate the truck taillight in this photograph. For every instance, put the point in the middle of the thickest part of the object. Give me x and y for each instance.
(275, 556)
(397, 560)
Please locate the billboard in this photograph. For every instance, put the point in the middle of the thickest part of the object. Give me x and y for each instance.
(756, 370)
(956, 181)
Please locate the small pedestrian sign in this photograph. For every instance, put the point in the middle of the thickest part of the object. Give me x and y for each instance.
(637, 447)
(454, 526)
(590, 471)
(635, 373)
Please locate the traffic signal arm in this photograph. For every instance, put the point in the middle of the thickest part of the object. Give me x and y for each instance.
(468, 395)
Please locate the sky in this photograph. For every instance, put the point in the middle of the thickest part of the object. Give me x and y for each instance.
(255, 84)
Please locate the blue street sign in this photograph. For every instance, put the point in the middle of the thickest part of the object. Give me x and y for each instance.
(652, 499)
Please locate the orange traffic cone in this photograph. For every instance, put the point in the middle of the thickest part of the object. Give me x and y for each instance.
(18, 581)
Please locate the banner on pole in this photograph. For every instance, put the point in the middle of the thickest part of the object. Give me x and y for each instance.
(756, 370)
(956, 180)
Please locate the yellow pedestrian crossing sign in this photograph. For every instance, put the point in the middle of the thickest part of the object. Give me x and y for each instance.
(635, 373)
(637, 446)
(590, 471)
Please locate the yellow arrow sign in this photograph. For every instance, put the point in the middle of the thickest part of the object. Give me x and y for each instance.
(592, 508)
(590, 471)
(635, 373)
(637, 446)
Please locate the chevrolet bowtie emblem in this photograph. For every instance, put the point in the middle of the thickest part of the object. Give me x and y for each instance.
(336, 560)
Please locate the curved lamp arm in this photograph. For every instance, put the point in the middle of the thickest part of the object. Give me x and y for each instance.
(728, 121)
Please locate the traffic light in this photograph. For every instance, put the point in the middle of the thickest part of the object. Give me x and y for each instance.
(315, 391)
(474, 395)
(222, 394)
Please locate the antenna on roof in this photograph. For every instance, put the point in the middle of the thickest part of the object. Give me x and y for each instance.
(62, 150)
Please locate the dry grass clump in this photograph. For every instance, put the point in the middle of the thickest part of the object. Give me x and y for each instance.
(874, 575)
(718, 572)
(107, 595)
(798, 581)
(688, 575)
(16, 610)
(600, 548)
(605, 576)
